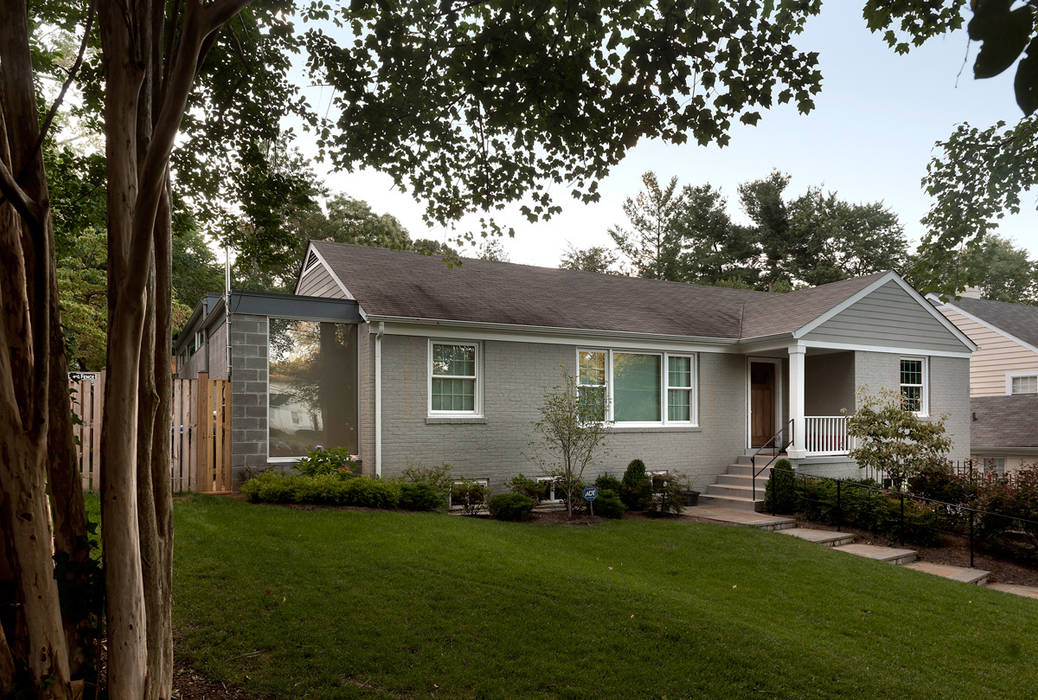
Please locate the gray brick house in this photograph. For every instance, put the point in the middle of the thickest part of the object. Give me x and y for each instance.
(406, 360)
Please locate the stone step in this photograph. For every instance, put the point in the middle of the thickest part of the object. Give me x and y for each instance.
(892, 555)
(734, 502)
(741, 491)
(1015, 589)
(747, 470)
(823, 537)
(741, 480)
(761, 458)
(735, 516)
(956, 573)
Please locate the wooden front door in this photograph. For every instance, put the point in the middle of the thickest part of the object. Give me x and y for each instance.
(762, 403)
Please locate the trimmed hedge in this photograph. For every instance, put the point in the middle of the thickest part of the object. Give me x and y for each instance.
(780, 494)
(510, 506)
(329, 489)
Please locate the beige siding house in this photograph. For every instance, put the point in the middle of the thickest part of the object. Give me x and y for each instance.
(1003, 379)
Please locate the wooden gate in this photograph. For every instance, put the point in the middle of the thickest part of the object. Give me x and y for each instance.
(200, 432)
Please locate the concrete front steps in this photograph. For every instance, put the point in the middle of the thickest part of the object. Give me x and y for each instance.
(734, 489)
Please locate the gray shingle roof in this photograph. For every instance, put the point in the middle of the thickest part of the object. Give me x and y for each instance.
(1004, 421)
(1020, 320)
(411, 285)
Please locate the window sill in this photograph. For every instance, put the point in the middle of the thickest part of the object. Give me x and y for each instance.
(654, 429)
(455, 420)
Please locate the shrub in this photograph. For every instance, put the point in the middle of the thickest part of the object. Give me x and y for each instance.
(470, 495)
(531, 488)
(335, 461)
(419, 495)
(325, 489)
(780, 494)
(608, 504)
(439, 477)
(867, 509)
(636, 486)
(607, 482)
(373, 493)
(668, 495)
(510, 506)
(939, 482)
(270, 487)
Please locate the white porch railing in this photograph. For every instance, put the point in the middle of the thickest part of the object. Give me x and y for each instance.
(826, 435)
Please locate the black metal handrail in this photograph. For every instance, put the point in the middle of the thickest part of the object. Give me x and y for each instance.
(773, 444)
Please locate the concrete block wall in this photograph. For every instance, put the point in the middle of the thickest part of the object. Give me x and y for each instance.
(515, 378)
(248, 394)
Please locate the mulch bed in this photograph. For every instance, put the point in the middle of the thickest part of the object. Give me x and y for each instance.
(953, 550)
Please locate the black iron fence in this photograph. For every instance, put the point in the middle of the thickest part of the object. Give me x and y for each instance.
(907, 517)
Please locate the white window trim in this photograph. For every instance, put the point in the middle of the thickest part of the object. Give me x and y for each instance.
(199, 342)
(1010, 376)
(665, 387)
(924, 388)
(477, 389)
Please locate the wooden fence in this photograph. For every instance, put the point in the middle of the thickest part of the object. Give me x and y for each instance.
(200, 432)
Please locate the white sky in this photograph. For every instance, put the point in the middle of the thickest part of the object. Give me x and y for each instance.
(869, 139)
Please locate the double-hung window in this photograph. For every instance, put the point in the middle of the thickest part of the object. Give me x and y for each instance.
(638, 388)
(591, 383)
(913, 384)
(1023, 384)
(454, 378)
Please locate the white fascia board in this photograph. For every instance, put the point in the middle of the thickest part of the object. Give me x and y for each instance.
(433, 328)
(885, 348)
(918, 298)
(306, 256)
(993, 328)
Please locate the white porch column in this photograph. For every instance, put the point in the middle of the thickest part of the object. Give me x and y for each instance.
(796, 400)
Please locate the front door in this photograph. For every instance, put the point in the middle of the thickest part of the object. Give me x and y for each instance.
(762, 403)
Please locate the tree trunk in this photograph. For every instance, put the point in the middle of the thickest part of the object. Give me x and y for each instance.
(26, 284)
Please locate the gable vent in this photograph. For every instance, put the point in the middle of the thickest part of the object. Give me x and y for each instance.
(310, 261)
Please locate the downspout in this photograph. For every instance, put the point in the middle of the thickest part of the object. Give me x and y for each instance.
(380, 330)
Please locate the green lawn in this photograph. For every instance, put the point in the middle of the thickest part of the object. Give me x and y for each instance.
(331, 603)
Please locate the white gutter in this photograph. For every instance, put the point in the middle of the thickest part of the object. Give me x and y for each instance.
(381, 329)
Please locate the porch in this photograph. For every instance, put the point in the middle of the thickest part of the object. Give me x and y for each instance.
(802, 401)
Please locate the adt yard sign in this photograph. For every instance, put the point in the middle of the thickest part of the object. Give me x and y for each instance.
(590, 493)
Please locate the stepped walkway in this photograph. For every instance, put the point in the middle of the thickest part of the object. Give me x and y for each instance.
(844, 542)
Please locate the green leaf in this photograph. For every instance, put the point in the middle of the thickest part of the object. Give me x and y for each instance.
(1003, 34)
(1026, 82)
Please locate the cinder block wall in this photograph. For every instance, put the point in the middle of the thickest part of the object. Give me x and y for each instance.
(248, 394)
(515, 378)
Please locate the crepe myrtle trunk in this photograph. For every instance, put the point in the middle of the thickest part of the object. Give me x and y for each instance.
(145, 100)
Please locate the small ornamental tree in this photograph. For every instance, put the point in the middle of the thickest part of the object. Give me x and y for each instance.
(573, 431)
(893, 439)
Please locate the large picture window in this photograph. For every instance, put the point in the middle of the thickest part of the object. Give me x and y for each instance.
(312, 387)
(639, 388)
(913, 384)
(453, 378)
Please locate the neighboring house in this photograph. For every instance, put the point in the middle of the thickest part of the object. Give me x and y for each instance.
(449, 364)
(1003, 378)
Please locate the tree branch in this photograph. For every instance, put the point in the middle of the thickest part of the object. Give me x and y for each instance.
(68, 80)
(23, 203)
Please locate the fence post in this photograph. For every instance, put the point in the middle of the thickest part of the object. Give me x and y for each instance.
(901, 528)
(972, 513)
(839, 506)
(203, 434)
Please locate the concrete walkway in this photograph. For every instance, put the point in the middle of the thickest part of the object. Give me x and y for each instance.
(844, 542)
